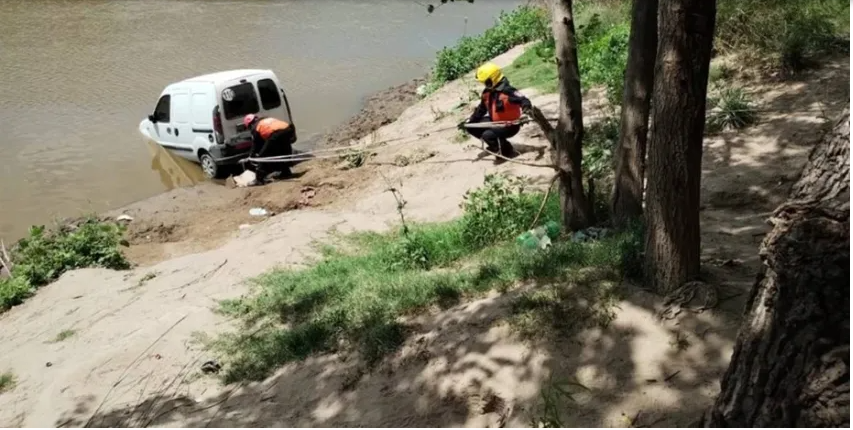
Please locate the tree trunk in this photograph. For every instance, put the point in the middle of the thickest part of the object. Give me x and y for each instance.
(686, 32)
(568, 135)
(627, 198)
(791, 363)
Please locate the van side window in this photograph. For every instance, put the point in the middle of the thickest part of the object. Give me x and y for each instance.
(161, 112)
(269, 94)
(243, 101)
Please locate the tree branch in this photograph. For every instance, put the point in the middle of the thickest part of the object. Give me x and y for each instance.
(547, 129)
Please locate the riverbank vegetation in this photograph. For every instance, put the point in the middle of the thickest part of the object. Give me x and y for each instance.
(44, 255)
(354, 297)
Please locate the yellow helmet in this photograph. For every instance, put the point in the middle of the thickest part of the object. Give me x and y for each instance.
(489, 74)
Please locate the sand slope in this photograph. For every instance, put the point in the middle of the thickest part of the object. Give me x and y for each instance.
(132, 360)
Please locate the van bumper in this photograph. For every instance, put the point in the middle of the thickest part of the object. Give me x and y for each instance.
(225, 155)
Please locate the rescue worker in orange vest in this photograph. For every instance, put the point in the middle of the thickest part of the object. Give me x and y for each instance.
(499, 102)
(271, 137)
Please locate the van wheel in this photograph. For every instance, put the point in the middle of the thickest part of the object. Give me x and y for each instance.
(208, 165)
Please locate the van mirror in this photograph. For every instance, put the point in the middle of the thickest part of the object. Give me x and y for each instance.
(152, 118)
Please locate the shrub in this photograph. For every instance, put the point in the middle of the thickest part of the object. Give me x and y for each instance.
(43, 256)
(731, 108)
(602, 55)
(524, 24)
(500, 210)
(793, 32)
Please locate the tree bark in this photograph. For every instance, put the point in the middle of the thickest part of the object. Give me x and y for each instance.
(568, 134)
(627, 198)
(791, 363)
(686, 32)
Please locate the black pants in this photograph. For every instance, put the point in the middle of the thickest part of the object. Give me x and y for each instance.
(278, 144)
(496, 138)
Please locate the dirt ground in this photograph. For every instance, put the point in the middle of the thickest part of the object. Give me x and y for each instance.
(379, 109)
(133, 361)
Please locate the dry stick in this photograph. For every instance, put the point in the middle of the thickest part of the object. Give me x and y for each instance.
(150, 411)
(124, 372)
(544, 200)
(4, 259)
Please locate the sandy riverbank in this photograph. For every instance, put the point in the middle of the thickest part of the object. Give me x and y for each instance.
(132, 360)
(199, 215)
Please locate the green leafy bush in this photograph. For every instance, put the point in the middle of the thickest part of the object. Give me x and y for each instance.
(13, 291)
(500, 210)
(524, 24)
(602, 55)
(43, 256)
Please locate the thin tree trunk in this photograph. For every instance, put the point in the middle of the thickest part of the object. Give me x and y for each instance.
(686, 32)
(627, 198)
(568, 135)
(791, 363)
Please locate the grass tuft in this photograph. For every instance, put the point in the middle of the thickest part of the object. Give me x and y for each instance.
(731, 108)
(63, 335)
(8, 380)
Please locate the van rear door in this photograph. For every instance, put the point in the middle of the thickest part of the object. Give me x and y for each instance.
(273, 101)
(238, 99)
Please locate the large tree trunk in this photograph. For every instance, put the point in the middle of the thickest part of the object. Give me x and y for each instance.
(568, 135)
(791, 363)
(627, 198)
(686, 32)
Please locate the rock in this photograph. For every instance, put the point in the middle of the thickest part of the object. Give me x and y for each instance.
(211, 366)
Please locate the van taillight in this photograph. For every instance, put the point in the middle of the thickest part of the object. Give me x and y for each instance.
(217, 121)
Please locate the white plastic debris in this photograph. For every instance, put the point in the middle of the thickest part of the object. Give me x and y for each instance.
(246, 179)
(124, 217)
(258, 212)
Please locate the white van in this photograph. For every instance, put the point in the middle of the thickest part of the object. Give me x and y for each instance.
(201, 118)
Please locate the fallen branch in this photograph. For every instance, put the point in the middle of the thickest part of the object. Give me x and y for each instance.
(5, 261)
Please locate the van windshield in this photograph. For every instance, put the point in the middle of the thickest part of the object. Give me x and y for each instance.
(239, 100)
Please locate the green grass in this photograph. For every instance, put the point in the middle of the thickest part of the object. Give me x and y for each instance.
(602, 54)
(352, 298)
(7, 381)
(63, 335)
(792, 33)
(44, 255)
(524, 24)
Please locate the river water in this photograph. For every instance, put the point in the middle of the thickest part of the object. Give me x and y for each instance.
(77, 76)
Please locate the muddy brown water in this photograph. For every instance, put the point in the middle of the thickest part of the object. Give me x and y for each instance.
(76, 77)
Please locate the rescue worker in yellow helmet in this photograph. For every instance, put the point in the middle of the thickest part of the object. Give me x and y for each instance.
(270, 137)
(499, 102)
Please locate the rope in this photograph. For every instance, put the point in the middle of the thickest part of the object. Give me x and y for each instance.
(338, 151)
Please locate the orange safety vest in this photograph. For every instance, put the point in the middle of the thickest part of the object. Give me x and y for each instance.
(502, 109)
(268, 126)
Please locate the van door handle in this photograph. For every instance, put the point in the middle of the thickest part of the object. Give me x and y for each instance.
(177, 132)
(169, 130)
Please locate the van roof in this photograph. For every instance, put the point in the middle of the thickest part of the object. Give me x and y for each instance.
(227, 75)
